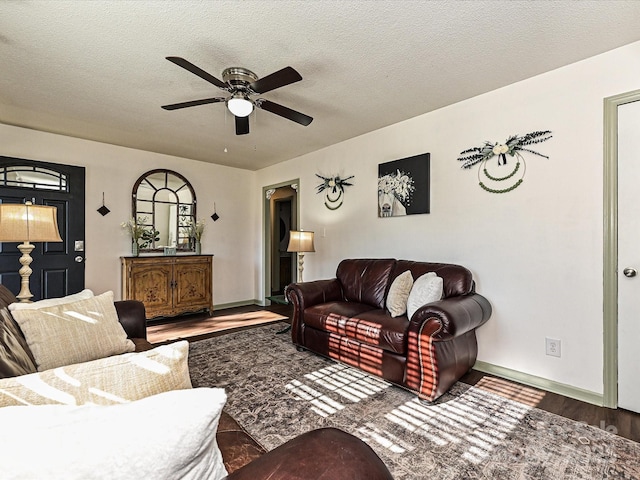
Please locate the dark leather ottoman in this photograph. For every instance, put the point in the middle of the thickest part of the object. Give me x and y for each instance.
(323, 454)
(237, 447)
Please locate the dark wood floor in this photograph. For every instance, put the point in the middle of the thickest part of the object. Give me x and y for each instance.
(618, 421)
(276, 308)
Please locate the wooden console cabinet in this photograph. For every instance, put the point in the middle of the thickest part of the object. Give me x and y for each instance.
(169, 285)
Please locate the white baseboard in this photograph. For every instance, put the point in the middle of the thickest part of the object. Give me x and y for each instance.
(541, 383)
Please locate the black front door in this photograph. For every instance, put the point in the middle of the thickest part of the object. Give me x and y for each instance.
(58, 268)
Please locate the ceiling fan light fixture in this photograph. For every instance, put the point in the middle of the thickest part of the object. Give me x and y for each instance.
(240, 105)
(240, 84)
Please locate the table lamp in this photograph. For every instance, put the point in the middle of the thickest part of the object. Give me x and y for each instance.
(300, 242)
(27, 223)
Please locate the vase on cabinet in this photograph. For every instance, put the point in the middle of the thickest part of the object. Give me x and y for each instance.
(135, 249)
(198, 248)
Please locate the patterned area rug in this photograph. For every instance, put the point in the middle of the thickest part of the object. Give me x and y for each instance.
(276, 393)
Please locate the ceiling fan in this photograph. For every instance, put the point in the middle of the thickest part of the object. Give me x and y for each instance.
(242, 84)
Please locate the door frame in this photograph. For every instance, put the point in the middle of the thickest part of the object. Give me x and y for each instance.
(266, 231)
(610, 246)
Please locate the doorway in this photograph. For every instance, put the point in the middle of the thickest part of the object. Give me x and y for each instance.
(58, 267)
(281, 261)
(621, 256)
(281, 216)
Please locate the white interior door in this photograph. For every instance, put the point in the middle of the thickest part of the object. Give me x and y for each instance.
(629, 256)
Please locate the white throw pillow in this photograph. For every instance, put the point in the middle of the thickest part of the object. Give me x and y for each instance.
(73, 332)
(106, 381)
(50, 302)
(399, 294)
(166, 436)
(426, 289)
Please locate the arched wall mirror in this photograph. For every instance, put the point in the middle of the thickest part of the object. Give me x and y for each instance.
(164, 202)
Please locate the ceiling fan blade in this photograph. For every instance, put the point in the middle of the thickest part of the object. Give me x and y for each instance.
(278, 79)
(242, 125)
(181, 62)
(285, 112)
(193, 103)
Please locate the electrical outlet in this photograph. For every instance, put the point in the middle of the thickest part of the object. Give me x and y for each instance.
(553, 347)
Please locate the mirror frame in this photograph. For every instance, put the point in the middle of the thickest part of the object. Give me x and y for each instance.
(190, 246)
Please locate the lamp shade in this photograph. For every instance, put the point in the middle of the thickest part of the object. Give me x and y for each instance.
(28, 223)
(300, 241)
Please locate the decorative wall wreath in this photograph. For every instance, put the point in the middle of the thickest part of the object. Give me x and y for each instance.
(334, 190)
(513, 147)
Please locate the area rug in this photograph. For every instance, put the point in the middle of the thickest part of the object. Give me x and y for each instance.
(277, 393)
(194, 328)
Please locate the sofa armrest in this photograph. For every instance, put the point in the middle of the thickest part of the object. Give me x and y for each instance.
(132, 316)
(451, 317)
(442, 343)
(326, 453)
(308, 294)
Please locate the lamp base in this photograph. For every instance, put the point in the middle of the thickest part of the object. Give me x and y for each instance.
(25, 271)
(300, 266)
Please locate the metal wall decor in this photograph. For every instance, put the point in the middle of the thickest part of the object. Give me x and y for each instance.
(513, 147)
(333, 188)
(103, 210)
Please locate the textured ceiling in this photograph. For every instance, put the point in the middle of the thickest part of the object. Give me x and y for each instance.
(97, 69)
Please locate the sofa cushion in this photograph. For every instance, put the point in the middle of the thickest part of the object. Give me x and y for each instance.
(73, 332)
(116, 379)
(365, 280)
(15, 356)
(399, 294)
(457, 280)
(426, 289)
(378, 328)
(166, 436)
(360, 322)
(52, 302)
(332, 316)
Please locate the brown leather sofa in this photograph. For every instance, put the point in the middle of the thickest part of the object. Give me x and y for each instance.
(345, 319)
(319, 454)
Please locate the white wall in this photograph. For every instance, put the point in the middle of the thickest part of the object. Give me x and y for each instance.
(535, 252)
(113, 170)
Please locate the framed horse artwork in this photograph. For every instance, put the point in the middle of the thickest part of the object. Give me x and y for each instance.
(403, 186)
